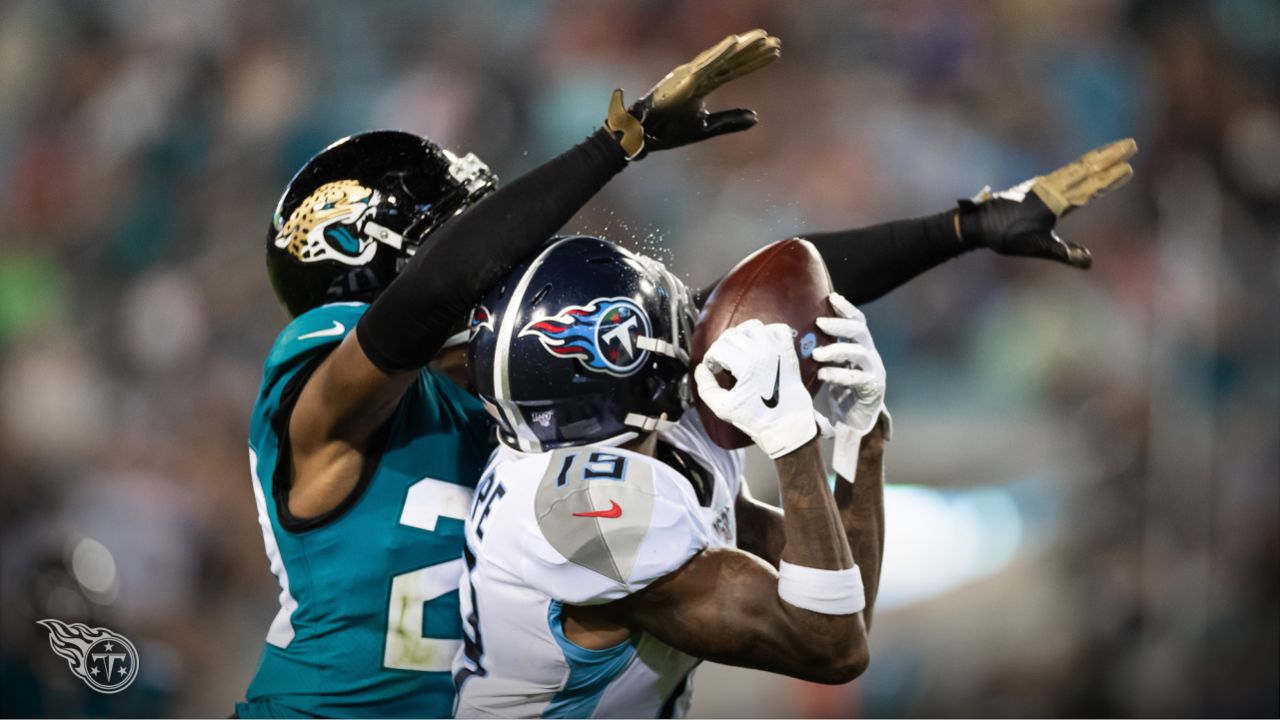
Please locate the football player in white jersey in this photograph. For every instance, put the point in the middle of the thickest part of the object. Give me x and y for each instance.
(607, 547)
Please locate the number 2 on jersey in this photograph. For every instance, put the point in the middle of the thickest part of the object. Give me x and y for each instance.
(427, 501)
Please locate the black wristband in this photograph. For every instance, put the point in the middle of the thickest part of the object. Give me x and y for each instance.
(409, 322)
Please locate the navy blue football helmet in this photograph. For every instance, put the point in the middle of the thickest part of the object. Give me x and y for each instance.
(356, 212)
(586, 343)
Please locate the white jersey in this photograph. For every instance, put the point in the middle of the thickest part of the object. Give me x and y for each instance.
(582, 526)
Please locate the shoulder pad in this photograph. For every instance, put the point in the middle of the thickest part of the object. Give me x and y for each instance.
(595, 507)
(325, 324)
(313, 330)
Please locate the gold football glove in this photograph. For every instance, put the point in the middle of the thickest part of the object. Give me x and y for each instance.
(1021, 220)
(672, 113)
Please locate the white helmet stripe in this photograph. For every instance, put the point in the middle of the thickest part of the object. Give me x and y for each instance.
(501, 382)
(501, 357)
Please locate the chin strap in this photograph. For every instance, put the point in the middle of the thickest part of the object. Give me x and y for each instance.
(647, 422)
(458, 338)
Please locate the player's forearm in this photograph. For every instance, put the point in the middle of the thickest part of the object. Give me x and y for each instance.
(409, 322)
(815, 536)
(760, 528)
(861, 505)
(867, 263)
(818, 603)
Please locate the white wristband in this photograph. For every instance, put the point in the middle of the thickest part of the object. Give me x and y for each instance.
(830, 592)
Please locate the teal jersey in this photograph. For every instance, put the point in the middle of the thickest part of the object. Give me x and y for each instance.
(368, 622)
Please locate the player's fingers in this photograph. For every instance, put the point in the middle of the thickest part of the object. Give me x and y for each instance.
(861, 353)
(755, 54)
(709, 388)
(1093, 184)
(1110, 153)
(841, 327)
(1097, 171)
(729, 121)
(714, 53)
(1078, 256)
(1110, 179)
(751, 36)
(850, 330)
(778, 333)
(734, 346)
(734, 69)
(1048, 245)
(737, 337)
(843, 307)
(747, 42)
(845, 353)
(722, 355)
(865, 384)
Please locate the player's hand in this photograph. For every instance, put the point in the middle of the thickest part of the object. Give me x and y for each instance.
(673, 112)
(1021, 220)
(768, 400)
(855, 378)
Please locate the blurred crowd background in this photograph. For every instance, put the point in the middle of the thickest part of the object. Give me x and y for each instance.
(1085, 511)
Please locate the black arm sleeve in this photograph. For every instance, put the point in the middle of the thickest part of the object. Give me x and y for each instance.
(411, 319)
(867, 263)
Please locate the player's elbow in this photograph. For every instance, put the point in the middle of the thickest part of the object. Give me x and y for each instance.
(838, 661)
(849, 667)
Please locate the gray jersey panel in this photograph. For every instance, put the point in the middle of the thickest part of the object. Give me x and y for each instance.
(594, 508)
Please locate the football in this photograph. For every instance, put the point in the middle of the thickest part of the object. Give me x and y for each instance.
(785, 282)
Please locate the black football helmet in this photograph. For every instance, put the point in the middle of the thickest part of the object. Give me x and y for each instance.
(585, 343)
(356, 212)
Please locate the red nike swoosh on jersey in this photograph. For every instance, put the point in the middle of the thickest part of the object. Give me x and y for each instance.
(615, 510)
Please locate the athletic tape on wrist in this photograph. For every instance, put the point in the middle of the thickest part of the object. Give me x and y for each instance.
(830, 592)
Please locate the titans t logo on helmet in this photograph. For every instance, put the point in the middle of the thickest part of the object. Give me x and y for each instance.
(603, 335)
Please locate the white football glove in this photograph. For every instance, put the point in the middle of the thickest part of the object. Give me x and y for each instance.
(855, 378)
(768, 401)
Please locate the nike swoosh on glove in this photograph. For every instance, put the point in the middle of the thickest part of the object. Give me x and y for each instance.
(768, 400)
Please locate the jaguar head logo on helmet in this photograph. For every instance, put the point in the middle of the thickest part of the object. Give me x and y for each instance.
(356, 212)
(328, 225)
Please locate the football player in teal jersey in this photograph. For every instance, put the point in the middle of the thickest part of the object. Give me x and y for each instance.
(364, 445)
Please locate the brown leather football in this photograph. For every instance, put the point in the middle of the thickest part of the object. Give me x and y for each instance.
(786, 282)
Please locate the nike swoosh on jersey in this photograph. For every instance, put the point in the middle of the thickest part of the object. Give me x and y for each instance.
(772, 400)
(615, 510)
(337, 329)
